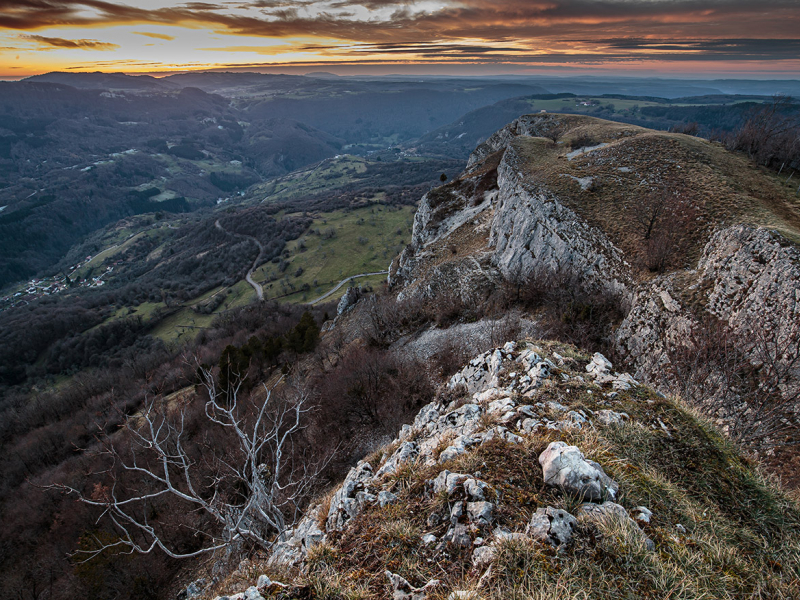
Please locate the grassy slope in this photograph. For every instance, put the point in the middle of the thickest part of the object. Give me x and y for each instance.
(722, 186)
(327, 261)
(365, 240)
(327, 175)
(741, 538)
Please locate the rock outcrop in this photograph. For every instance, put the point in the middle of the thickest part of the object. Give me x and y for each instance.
(496, 382)
(566, 467)
(748, 278)
(505, 225)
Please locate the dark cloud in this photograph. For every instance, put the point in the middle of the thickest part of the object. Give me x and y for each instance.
(723, 49)
(53, 43)
(680, 29)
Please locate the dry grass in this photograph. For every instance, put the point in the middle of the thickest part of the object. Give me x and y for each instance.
(722, 187)
(741, 539)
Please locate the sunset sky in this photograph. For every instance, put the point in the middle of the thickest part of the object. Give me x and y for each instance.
(729, 38)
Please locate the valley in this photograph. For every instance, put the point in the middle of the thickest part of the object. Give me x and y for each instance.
(170, 241)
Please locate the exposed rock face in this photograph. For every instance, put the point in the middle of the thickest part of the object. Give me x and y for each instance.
(532, 231)
(348, 300)
(746, 277)
(347, 503)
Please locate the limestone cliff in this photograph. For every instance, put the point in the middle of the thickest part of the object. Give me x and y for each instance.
(526, 204)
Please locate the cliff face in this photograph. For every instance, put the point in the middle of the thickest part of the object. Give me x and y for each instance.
(748, 278)
(532, 230)
(543, 209)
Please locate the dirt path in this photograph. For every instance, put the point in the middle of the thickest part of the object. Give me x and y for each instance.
(342, 282)
(249, 277)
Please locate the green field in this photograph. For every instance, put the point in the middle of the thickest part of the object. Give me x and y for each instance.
(347, 243)
(574, 104)
(620, 105)
(329, 174)
(337, 245)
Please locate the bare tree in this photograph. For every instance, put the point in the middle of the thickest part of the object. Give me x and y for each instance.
(771, 133)
(555, 131)
(649, 212)
(248, 490)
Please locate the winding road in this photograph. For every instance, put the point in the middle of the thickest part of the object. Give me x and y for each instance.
(342, 282)
(249, 277)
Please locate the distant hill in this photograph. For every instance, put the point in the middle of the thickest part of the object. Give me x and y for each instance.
(104, 81)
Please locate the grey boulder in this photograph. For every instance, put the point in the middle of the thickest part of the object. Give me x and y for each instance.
(565, 467)
(552, 526)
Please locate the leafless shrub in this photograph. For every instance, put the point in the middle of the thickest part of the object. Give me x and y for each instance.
(583, 141)
(241, 483)
(751, 385)
(771, 134)
(555, 131)
(570, 309)
(685, 128)
(664, 218)
(451, 355)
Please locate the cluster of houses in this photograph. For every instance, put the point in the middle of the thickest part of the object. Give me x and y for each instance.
(48, 286)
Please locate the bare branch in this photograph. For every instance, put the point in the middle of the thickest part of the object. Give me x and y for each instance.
(247, 490)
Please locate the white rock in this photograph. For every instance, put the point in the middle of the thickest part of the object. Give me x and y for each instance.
(501, 535)
(610, 417)
(343, 504)
(483, 556)
(528, 358)
(402, 590)
(252, 593)
(552, 526)
(480, 513)
(475, 489)
(385, 498)
(565, 466)
(642, 514)
(599, 365)
(407, 452)
(573, 420)
(529, 425)
(501, 405)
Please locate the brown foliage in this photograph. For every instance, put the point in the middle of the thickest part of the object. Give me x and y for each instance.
(751, 385)
(771, 134)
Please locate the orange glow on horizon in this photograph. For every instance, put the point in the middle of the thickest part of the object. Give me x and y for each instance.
(503, 36)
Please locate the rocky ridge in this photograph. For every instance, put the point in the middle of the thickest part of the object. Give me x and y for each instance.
(500, 397)
(746, 277)
(621, 471)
